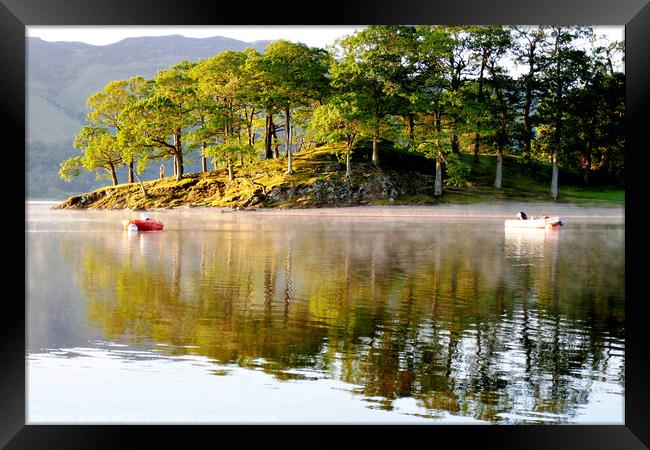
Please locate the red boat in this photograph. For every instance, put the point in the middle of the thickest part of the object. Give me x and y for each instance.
(143, 225)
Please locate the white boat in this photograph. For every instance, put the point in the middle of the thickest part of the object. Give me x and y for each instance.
(535, 222)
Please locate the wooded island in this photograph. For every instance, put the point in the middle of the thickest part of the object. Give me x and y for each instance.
(388, 114)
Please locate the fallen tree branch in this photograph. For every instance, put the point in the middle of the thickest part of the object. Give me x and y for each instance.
(144, 192)
(253, 183)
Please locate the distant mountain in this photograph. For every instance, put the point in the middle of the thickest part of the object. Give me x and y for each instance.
(62, 75)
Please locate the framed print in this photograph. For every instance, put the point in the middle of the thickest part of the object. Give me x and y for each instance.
(311, 225)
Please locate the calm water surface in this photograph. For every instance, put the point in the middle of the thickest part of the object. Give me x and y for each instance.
(241, 317)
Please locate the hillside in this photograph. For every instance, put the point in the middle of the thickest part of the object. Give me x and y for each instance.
(62, 75)
(319, 180)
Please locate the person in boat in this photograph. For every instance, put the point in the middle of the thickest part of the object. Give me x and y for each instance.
(144, 215)
(522, 216)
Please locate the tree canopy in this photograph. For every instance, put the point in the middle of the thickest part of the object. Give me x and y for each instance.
(543, 93)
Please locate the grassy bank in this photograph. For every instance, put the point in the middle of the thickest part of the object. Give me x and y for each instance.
(319, 180)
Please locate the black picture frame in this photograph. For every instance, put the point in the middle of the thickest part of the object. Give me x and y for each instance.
(15, 15)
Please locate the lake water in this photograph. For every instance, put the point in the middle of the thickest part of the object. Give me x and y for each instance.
(248, 317)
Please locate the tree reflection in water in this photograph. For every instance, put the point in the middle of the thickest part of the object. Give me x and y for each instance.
(495, 326)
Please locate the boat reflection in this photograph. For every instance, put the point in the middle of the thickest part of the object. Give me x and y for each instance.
(526, 243)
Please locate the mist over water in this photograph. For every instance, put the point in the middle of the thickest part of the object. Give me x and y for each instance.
(358, 315)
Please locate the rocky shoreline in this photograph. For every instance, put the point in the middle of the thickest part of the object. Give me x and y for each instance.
(209, 190)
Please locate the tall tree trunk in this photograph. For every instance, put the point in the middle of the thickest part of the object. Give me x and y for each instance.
(455, 144)
(455, 87)
(587, 165)
(502, 136)
(375, 152)
(276, 145)
(130, 174)
(528, 127)
(348, 163)
(231, 176)
(438, 182)
(113, 173)
(477, 139)
(204, 160)
(557, 137)
(590, 147)
(497, 178)
(411, 122)
(554, 175)
(528, 102)
(288, 133)
(178, 165)
(249, 127)
(179, 155)
(268, 150)
(181, 168)
(587, 157)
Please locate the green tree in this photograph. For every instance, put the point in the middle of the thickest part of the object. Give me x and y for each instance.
(567, 69)
(459, 62)
(344, 118)
(609, 144)
(100, 152)
(247, 94)
(221, 105)
(531, 50)
(106, 119)
(489, 44)
(436, 121)
(107, 107)
(596, 111)
(501, 112)
(261, 85)
(228, 154)
(371, 63)
(298, 76)
(159, 121)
